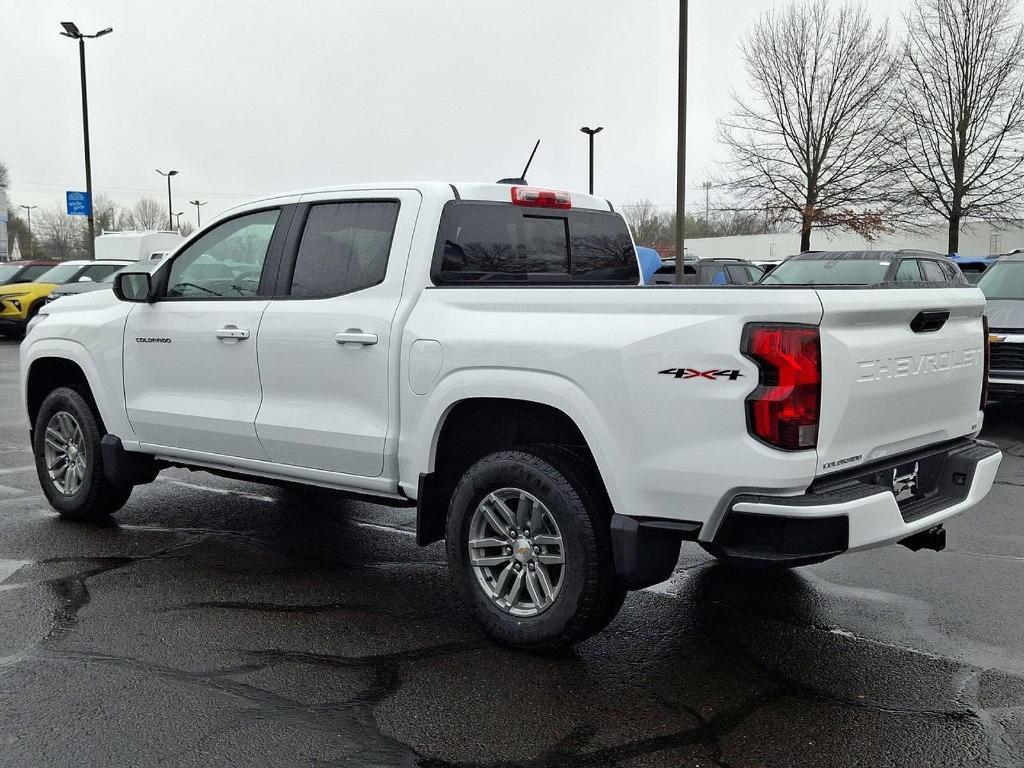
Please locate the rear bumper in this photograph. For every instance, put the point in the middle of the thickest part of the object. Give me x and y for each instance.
(846, 512)
(859, 511)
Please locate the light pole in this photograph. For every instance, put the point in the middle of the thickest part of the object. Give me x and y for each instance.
(707, 203)
(681, 143)
(590, 132)
(70, 30)
(170, 219)
(197, 203)
(31, 244)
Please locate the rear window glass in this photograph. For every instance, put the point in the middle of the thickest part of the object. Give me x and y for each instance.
(828, 272)
(500, 243)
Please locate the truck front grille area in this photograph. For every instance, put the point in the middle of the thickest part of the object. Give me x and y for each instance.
(1007, 356)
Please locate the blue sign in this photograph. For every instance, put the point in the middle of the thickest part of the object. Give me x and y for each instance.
(78, 204)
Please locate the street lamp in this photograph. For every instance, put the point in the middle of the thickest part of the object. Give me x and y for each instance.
(197, 203)
(31, 245)
(70, 30)
(590, 132)
(684, 14)
(170, 221)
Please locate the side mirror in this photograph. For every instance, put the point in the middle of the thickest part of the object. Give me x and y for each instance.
(134, 286)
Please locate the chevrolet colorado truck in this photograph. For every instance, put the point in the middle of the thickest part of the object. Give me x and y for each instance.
(487, 354)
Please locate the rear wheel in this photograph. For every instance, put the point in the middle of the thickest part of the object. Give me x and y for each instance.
(69, 462)
(529, 548)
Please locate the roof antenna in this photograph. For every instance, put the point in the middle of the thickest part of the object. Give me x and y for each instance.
(522, 176)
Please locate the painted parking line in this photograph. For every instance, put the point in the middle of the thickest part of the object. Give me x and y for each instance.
(10, 490)
(389, 528)
(16, 470)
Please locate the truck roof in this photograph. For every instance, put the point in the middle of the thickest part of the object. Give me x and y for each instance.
(465, 190)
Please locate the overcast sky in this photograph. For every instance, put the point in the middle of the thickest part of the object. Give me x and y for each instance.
(262, 96)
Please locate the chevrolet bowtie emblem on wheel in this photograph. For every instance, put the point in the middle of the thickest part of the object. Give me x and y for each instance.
(692, 373)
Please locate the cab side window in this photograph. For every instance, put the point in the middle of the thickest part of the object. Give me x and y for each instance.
(226, 262)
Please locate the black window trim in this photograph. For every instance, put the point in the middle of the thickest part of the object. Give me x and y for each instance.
(436, 280)
(270, 263)
(290, 249)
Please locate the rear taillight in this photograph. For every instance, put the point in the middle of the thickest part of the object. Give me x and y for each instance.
(988, 362)
(783, 410)
(541, 198)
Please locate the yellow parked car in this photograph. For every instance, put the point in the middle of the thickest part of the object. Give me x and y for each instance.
(19, 302)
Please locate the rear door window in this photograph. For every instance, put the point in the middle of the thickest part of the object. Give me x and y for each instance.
(933, 272)
(499, 243)
(344, 248)
(908, 272)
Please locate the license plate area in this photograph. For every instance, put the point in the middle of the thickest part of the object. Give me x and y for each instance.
(912, 480)
(906, 481)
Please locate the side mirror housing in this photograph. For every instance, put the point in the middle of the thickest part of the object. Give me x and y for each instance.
(134, 286)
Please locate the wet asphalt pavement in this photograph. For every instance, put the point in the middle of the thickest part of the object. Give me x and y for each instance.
(222, 623)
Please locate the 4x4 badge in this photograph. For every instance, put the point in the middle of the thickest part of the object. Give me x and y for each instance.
(693, 373)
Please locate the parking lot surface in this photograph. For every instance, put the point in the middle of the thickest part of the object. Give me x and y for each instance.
(225, 623)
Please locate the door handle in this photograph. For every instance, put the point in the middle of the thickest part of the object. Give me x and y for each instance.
(231, 332)
(355, 336)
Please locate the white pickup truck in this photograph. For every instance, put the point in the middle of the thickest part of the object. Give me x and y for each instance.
(486, 353)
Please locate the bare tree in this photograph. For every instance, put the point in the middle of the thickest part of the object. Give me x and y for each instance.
(105, 213)
(811, 142)
(5, 175)
(60, 236)
(643, 220)
(960, 104)
(147, 214)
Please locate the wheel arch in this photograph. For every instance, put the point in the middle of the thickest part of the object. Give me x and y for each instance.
(52, 363)
(473, 426)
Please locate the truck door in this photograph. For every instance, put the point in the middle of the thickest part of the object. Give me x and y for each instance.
(326, 353)
(190, 375)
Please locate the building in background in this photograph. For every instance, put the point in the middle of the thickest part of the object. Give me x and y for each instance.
(977, 240)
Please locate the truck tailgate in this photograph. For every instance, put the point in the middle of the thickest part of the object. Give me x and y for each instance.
(891, 381)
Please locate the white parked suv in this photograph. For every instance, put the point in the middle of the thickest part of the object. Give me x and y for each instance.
(487, 354)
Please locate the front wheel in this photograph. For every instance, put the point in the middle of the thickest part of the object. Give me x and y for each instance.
(529, 548)
(69, 462)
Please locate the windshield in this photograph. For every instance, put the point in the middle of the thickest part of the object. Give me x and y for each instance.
(8, 271)
(1003, 281)
(59, 274)
(828, 272)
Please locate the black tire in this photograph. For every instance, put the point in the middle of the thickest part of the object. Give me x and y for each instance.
(590, 593)
(96, 498)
